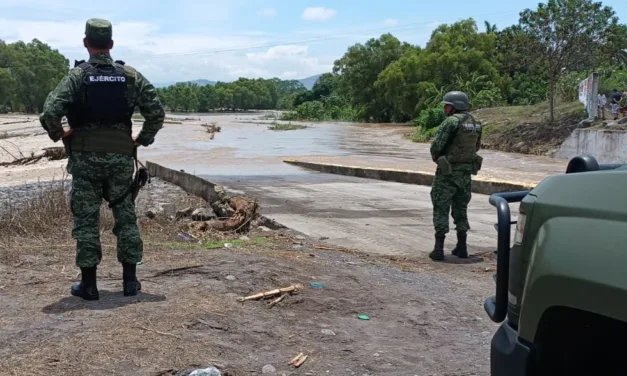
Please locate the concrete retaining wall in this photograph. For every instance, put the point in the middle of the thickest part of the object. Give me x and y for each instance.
(197, 186)
(606, 146)
(480, 186)
(191, 184)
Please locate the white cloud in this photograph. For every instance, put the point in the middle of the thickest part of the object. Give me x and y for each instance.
(267, 12)
(173, 49)
(290, 61)
(391, 22)
(318, 14)
(168, 56)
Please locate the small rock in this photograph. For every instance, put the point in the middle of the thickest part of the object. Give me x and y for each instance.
(211, 371)
(244, 238)
(622, 121)
(264, 228)
(185, 236)
(150, 214)
(297, 247)
(585, 123)
(376, 355)
(184, 213)
(327, 332)
(203, 214)
(268, 368)
(231, 277)
(300, 237)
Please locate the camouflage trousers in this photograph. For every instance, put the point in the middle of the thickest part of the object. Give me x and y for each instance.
(95, 178)
(451, 194)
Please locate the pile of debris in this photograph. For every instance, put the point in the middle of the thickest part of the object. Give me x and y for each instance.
(226, 214)
(52, 154)
(211, 128)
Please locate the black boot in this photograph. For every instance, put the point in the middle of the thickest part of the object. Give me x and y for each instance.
(86, 288)
(461, 250)
(130, 283)
(438, 250)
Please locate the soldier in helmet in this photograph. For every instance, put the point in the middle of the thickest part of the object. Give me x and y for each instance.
(454, 150)
(99, 97)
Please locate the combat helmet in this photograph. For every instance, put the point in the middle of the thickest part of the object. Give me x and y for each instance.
(457, 99)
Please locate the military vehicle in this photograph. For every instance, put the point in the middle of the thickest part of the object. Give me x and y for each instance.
(561, 288)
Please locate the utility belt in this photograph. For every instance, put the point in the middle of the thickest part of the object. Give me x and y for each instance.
(107, 140)
(446, 167)
(100, 140)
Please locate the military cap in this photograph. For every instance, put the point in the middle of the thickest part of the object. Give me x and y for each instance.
(97, 29)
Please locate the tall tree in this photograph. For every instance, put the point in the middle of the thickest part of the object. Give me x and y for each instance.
(359, 68)
(571, 35)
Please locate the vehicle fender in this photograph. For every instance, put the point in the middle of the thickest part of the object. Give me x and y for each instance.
(578, 263)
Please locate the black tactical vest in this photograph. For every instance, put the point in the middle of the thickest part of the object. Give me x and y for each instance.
(102, 97)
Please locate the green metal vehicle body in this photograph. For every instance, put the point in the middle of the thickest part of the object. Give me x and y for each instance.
(564, 307)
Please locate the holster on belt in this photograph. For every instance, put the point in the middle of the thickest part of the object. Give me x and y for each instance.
(444, 165)
(476, 164)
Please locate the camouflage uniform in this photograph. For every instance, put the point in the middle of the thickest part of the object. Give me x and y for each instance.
(457, 140)
(99, 171)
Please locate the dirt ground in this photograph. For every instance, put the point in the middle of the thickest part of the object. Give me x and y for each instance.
(425, 318)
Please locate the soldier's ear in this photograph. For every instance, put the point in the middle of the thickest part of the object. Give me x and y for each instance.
(85, 42)
(111, 44)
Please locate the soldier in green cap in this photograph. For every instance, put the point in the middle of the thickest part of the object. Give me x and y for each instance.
(454, 150)
(98, 97)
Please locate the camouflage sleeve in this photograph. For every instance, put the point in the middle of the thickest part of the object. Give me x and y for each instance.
(443, 135)
(151, 109)
(58, 102)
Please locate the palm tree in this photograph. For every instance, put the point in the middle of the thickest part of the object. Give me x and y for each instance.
(490, 28)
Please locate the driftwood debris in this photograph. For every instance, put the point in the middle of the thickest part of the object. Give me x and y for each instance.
(52, 154)
(267, 294)
(212, 127)
(245, 212)
(298, 360)
(277, 301)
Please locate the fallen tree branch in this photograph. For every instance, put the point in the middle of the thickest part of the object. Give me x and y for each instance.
(277, 301)
(270, 293)
(169, 271)
(325, 248)
(158, 332)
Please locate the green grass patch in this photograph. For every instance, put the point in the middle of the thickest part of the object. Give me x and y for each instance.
(285, 127)
(510, 116)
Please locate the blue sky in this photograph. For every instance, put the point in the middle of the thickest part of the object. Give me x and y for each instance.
(222, 40)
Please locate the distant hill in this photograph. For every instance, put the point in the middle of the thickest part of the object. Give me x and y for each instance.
(307, 82)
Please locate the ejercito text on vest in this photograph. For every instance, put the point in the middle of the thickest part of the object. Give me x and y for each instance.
(102, 98)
